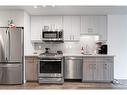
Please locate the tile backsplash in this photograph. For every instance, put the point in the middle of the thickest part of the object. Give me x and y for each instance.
(88, 42)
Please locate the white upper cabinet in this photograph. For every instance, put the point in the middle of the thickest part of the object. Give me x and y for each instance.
(103, 28)
(67, 27)
(38, 23)
(94, 25)
(52, 21)
(76, 27)
(71, 27)
(36, 28)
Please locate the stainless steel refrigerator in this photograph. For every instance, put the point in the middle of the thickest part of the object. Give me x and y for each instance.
(11, 55)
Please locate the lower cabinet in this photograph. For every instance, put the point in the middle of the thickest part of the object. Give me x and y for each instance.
(98, 69)
(31, 68)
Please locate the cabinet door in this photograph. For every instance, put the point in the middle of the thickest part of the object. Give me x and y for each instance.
(67, 28)
(89, 25)
(75, 27)
(58, 21)
(102, 28)
(96, 72)
(34, 69)
(36, 28)
(94, 25)
(99, 62)
(108, 69)
(90, 69)
(52, 21)
(87, 71)
(71, 25)
(31, 69)
(28, 62)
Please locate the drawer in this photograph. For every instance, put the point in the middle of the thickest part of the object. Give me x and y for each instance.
(51, 80)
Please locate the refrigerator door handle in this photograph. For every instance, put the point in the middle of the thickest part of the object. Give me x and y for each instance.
(6, 46)
(9, 45)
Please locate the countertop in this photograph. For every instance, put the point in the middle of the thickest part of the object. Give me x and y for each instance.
(32, 55)
(74, 54)
(92, 55)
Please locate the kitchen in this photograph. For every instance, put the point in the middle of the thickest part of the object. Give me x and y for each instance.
(69, 44)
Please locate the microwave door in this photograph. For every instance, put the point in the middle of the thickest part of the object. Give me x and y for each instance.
(50, 35)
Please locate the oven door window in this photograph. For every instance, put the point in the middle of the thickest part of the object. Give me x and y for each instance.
(50, 66)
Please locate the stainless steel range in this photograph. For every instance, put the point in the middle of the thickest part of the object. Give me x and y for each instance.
(50, 68)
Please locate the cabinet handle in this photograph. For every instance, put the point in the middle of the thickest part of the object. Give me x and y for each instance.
(90, 30)
(73, 37)
(70, 37)
(90, 66)
(105, 66)
(94, 66)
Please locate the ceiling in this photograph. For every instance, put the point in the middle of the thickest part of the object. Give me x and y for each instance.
(69, 10)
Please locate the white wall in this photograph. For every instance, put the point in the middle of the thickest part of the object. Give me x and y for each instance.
(17, 16)
(117, 37)
(28, 48)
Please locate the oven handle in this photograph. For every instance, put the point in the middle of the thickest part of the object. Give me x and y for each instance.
(49, 60)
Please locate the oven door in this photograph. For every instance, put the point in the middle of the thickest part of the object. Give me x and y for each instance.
(50, 68)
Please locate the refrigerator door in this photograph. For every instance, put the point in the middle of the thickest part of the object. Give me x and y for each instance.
(11, 74)
(15, 45)
(3, 42)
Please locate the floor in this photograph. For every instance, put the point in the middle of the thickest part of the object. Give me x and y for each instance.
(66, 85)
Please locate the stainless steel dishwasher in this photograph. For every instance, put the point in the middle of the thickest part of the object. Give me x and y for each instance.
(73, 67)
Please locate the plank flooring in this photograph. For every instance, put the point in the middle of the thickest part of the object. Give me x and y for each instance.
(66, 85)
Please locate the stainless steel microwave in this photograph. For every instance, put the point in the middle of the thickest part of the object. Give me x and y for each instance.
(52, 36)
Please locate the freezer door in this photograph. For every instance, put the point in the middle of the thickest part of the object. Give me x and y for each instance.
(3, 42)
(11, 74)
(15, 44)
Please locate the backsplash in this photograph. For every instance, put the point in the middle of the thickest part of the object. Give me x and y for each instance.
(86, 41)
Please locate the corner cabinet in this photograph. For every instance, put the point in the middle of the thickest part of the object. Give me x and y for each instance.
(38, 22)
(98, 69)
(71, 27)
(94, 25)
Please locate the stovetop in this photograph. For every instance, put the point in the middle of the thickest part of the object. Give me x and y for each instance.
(50, 56)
